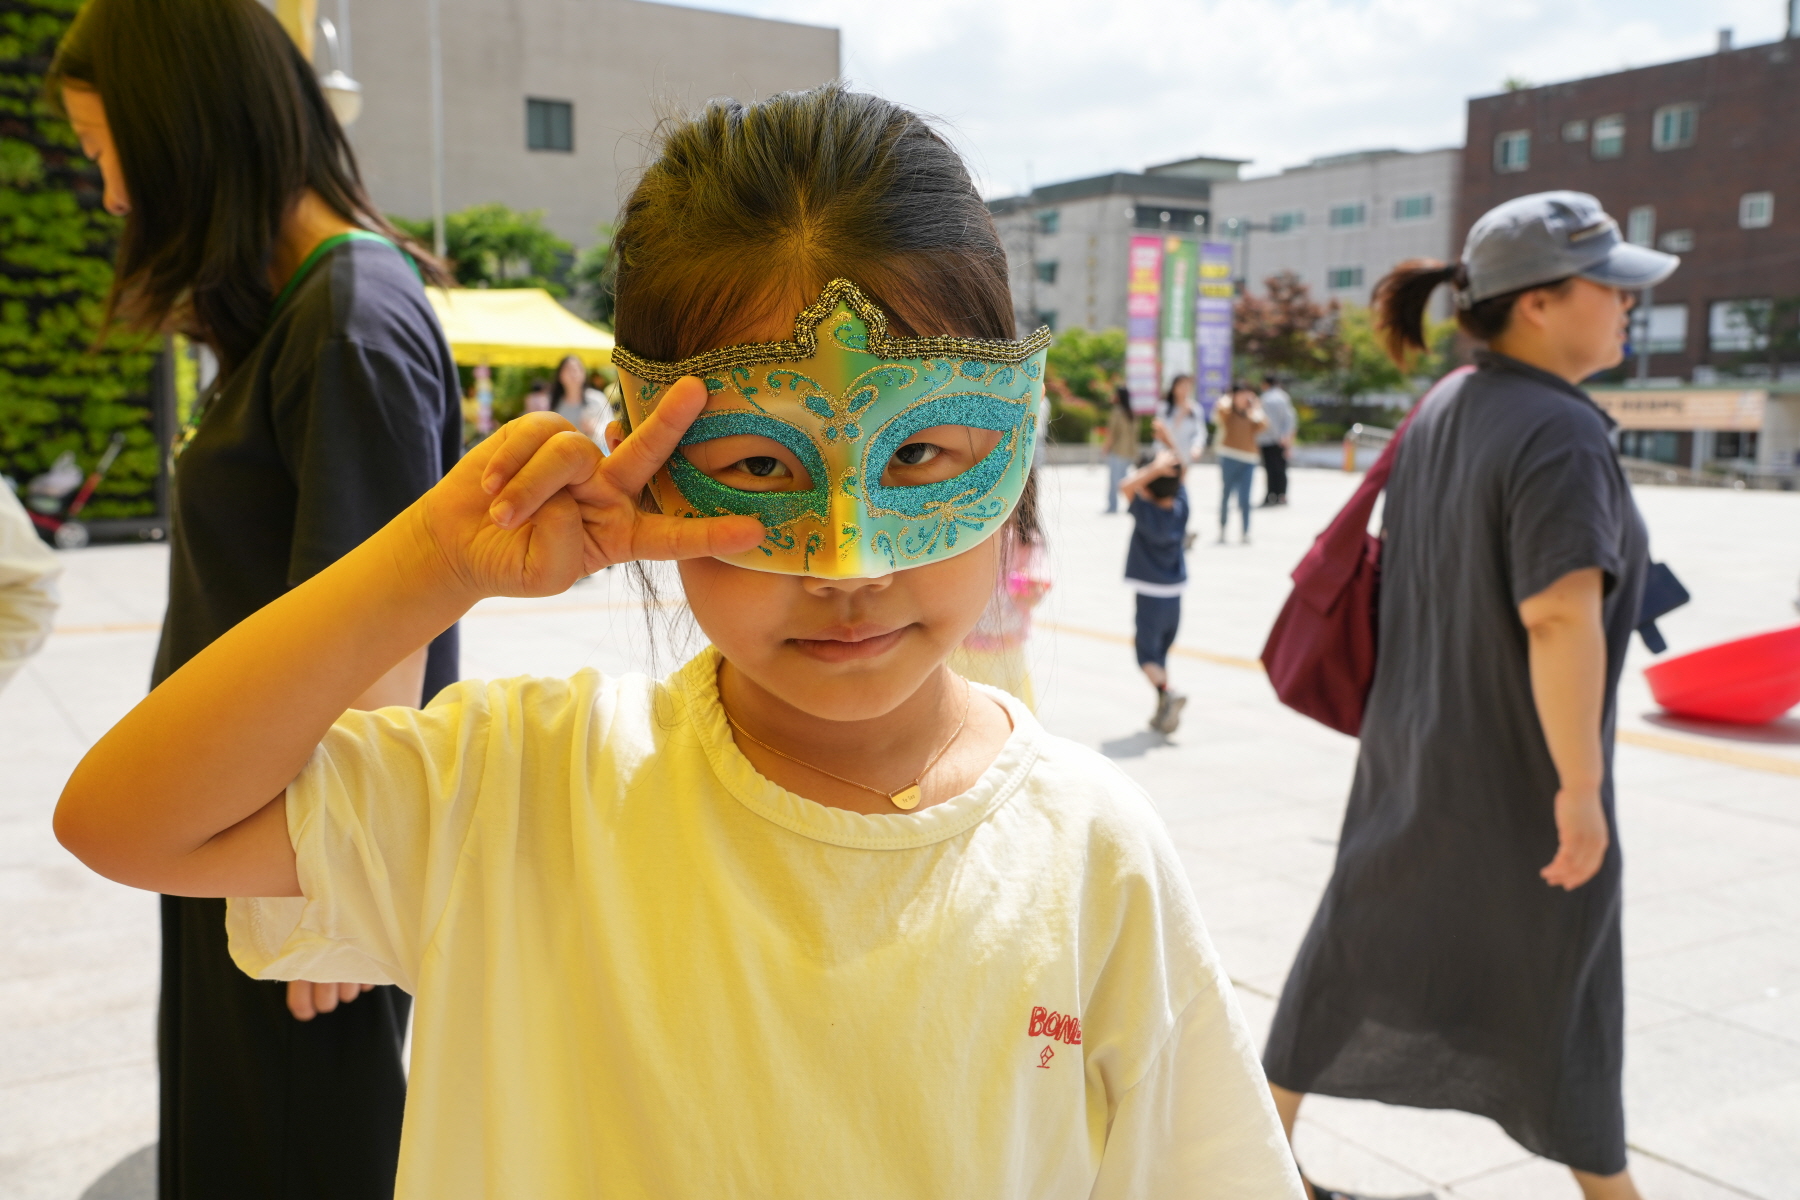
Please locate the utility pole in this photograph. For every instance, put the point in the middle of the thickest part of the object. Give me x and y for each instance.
(437, 128)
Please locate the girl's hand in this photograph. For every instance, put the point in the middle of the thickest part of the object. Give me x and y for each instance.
(1581, 839)
(537, 505)
(307, 1000)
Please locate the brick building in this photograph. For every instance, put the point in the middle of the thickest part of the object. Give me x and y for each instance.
(1701, 158)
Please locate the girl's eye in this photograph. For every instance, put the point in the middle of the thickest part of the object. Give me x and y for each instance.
(915, 454)
(762, 466)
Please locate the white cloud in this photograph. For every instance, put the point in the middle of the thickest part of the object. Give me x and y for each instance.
(1059, 89)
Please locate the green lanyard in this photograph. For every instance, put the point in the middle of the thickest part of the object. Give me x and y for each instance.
(319, 251)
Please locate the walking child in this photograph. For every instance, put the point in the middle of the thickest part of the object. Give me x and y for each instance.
(812, 916)
(1156, 569)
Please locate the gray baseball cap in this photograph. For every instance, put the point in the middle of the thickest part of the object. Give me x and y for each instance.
(1547, 236)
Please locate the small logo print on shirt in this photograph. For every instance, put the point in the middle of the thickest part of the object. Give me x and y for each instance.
(1045, 1057)
(1055, 1026)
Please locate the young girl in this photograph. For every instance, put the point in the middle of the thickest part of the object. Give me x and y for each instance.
(810, 917)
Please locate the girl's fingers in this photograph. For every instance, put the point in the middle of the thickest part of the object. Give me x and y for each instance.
(559, 461)
(642, 454)
(658, 537)
(512, 446)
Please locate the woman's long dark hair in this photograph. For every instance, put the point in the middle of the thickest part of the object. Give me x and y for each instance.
(1174, 386)
(1402, 295)
(557, 395)
(749, 207)
(219, 126)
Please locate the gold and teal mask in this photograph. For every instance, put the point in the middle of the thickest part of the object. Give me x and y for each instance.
(842, 396)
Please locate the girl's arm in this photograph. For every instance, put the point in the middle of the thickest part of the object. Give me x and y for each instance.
(186, 795)
(1568, 683)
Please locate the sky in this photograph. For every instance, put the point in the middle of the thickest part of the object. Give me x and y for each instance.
(1040, 91)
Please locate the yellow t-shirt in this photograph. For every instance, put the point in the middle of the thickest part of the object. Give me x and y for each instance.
(643, 970)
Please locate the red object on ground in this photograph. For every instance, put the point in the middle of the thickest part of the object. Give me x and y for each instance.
(1747, 682)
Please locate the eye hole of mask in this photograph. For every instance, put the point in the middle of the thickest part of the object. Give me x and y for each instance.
(749, 463)
(938, 453)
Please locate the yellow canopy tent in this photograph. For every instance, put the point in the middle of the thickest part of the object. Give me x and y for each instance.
(516, 327)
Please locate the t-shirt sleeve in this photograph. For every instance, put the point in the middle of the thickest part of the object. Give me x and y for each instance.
(1565, 508)
(1201, 1122)
(378, 818)
(361, 431)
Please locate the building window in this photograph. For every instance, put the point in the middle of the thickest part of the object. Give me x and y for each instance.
(1640, 225)
(1735, 443)
(1339, 278)
(1737, 325)
(1574, 131)
(1651, 445)
(1344, 216)
(1046, 271)
(549, 125)
(1049, 221)
(1673, 126)
(1286, 222)
(1756, 210)
(1677, 241)
(1412, 208)
(1609, 136)
(1512, 150)
(1047, 318)
(1663, 329)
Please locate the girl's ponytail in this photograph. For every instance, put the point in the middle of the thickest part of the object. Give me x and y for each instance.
(1400, 300)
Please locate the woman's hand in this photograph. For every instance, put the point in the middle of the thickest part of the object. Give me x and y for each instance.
(537, 505)
(1582, 838)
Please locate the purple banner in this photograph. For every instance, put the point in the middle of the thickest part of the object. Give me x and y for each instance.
(1212, 324)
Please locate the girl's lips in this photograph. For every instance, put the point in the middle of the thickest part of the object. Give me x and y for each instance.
(849, 645)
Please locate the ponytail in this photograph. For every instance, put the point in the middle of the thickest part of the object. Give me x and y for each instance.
(1400, 300)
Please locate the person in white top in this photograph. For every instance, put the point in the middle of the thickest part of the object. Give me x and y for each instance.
(28, 574)
(812, 917)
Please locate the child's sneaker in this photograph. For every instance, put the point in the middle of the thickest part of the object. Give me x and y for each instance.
(1168, 711)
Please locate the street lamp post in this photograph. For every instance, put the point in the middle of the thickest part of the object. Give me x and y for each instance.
(437, 128)
(1240, 229)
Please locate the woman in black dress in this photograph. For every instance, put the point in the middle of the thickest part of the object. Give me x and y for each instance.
(1466, 952)
(247, 227)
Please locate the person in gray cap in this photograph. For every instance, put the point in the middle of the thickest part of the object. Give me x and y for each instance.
(1466, 953)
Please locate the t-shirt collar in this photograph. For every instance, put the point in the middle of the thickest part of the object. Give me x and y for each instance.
(697, 686)
(1492, 360)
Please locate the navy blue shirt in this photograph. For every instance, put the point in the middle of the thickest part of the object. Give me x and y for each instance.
(1156, 551)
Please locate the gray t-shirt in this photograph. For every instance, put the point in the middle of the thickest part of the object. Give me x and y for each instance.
(1278, 410)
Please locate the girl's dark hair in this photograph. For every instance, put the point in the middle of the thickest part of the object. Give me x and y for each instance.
(556, 384)
(752, 208)
(1403, 293)
(1169, 395)
(1122, 399)
(219, 125)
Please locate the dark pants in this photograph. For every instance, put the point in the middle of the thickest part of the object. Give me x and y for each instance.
(1274, 458)
(1158, 617)
(257, 1104)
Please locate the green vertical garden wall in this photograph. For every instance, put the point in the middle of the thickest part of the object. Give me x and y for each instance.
(57, 392)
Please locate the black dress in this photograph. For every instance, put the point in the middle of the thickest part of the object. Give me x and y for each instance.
(1440, 970)
(344, 414)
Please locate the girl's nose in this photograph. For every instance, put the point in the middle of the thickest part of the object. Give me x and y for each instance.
(818, 586)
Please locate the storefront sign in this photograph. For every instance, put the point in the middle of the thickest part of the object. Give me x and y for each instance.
(1143, 308)
(1683, 408)
(1212, 324)
(1180, 268)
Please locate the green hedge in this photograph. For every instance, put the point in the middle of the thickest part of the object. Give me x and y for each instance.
(57, 392)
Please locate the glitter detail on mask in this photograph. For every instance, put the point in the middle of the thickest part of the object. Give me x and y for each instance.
(773, 509)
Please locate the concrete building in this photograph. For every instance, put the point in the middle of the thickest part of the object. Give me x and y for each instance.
(1066, 243)
(1341, 222)
(550, 103)
(1702, 158)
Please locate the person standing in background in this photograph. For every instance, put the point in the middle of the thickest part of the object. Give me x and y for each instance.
(582, 406)
(1240, 419)
(994, 652)
(247, 227)
(1180, 426)
(1121, 444)
(28, 574)
(1156, 569)
(1276, 440)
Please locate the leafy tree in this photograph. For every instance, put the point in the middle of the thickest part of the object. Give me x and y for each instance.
(592, 278)
(1081, 370)
(1285, 332)
(493, 246)
(1363, 367)
(58, 390)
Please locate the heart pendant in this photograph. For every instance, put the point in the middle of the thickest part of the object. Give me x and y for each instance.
(906, 799)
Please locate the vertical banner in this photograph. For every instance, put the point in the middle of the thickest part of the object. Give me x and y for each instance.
(1180, 271)
(1212, 324)
(1143, 308)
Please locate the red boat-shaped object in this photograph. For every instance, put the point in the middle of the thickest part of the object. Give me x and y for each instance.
(1749, 681)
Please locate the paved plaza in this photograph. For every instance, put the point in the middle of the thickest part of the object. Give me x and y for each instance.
(1253, 793)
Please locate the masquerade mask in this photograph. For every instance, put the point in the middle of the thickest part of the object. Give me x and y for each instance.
(848, 403)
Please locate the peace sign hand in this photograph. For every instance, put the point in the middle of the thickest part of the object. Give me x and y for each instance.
(536, 506)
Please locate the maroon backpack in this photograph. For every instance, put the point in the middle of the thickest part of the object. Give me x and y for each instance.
(1321, 653)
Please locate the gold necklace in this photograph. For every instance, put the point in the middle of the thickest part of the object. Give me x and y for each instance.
(907, 798)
